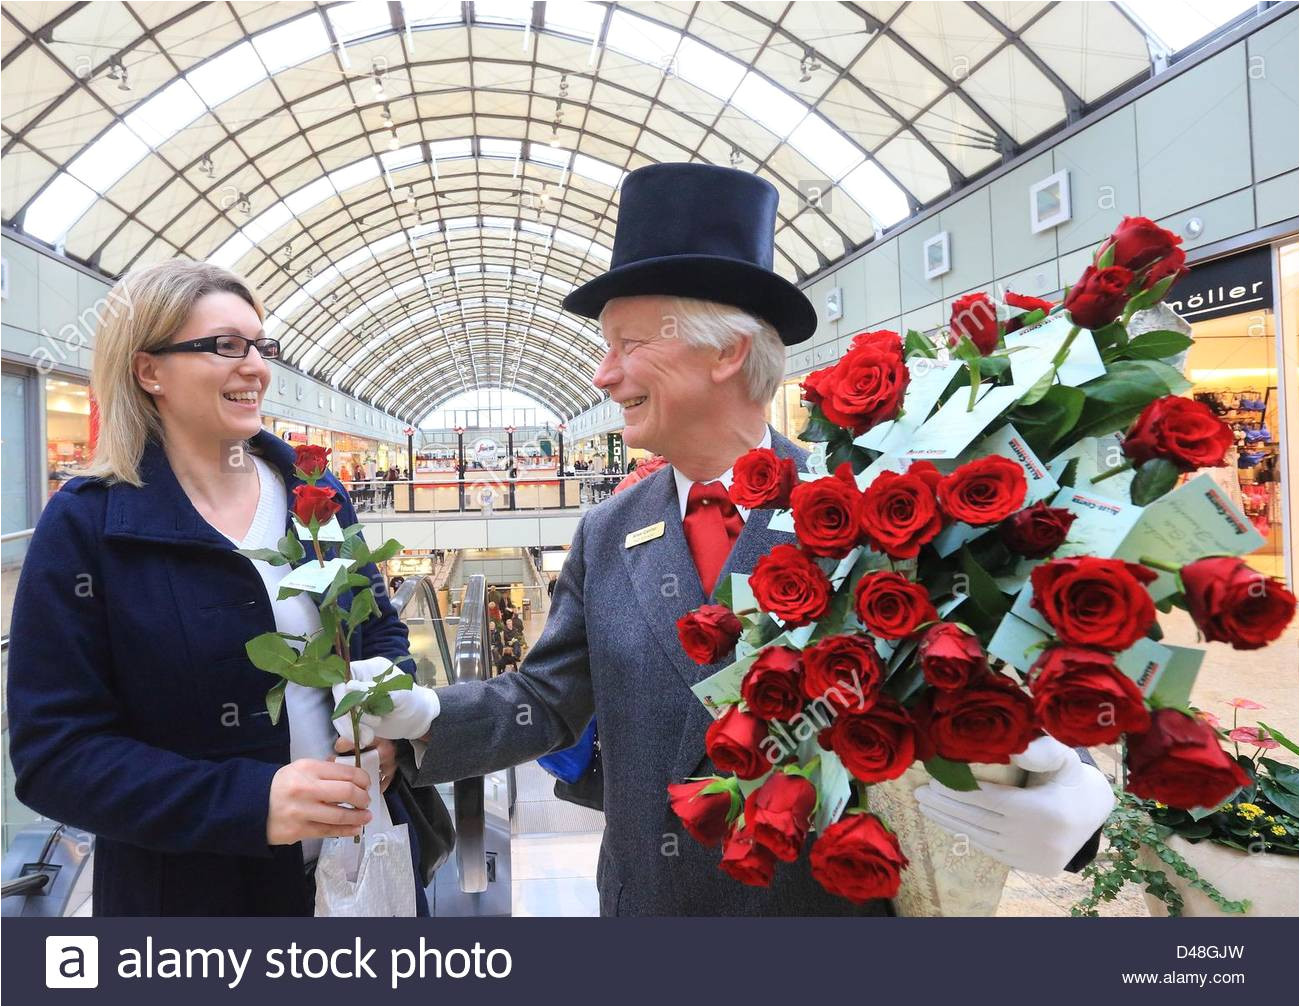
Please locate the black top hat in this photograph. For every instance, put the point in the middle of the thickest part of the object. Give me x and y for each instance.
(699, 230)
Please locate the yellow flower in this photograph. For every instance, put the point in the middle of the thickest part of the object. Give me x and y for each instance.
(1249, 811)
(1158, 804)
(1278, 830)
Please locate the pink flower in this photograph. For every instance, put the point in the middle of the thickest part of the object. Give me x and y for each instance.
(1251, 736)
(1210, 718)
(1246, 704)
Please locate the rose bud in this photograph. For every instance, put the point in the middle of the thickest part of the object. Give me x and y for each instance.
(1182, 431)
(1094, 602)
(1141, 244)
(858, 859)
(1231, 603)
(891, 606)
(709, 633)
(898, 513)
(735, 744)
(826, 513)
(843, 672)
(1099, 297)
(311, 459)
(704, 816)
(747, 861)
(1038, 531)
(990, 720)
(975, 317)
(761, 479)
(983, 491)
(789, 585)
(876, 745)
(950, 657)
(1082, 699)
(1026, 302)
(314, 503)
(772, 687)
(865, 387)
(1179, 762)
(779, 813)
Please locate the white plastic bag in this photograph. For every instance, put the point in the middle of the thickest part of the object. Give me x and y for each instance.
(373, 877)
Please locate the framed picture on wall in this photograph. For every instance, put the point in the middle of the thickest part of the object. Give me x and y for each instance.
(1049, 202)
(937, 258)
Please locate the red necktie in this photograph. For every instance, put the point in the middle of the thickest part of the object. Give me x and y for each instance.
(711, 526)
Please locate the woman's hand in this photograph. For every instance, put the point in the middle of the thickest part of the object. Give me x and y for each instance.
(387, 758)
(305, 799)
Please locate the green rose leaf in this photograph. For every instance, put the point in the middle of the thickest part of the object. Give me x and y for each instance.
(269, 652)
(818, 427)
(349, 700)
(363, 606)
(291, 547)
(275, 700)
(385, 552)
(956, 775)
(1154, 478)
(1158, 345)
(271, 556)
(319, 645)
(916, 345)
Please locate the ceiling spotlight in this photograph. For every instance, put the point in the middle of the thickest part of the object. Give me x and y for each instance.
(388, 117)
(734, 157)
(410, 194)
(243, 205)
(207, 167)
(808, 66)
(377, 80)
(393, 142)
(117, 72)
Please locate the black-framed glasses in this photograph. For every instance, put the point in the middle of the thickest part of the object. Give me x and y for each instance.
(229, 345)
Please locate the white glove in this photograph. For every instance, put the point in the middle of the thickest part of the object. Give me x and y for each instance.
(1036, 828)
(413, 709)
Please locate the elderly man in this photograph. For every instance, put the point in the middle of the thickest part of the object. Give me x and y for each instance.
(696, 324)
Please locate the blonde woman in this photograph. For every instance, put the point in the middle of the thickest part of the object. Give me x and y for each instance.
(133, 709)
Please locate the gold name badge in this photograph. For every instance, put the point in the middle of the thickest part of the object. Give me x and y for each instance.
(645, 534)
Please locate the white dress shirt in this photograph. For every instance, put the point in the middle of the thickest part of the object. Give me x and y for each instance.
(684, 484)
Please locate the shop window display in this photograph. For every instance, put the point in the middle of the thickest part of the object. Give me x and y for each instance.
(68, 443)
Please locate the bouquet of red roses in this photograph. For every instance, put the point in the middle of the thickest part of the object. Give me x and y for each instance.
(987, 528)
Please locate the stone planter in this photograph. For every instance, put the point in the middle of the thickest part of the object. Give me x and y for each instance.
(1268, 880)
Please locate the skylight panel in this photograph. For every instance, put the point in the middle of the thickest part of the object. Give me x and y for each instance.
(459, 223)
(359, 19)
(352, 260)
(641, 39)
(1179, 25)
(572, 17)
(825, 146)
(108, 158)
(355, 173)
(231, 251)
(508, 149)
(510, 12)
(56, 209)
(310, 195)
(708, 69)
(268, 221)
(290, 44)
(396, 160)
(166, 113)
(873, 190)
(499, 223)
(387, 243)
(554, 156)
(768, 105)
(432, 12)
(447, 150)
(227, 75)
(597, 170)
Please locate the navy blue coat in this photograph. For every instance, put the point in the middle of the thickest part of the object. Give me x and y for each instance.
(134, 711)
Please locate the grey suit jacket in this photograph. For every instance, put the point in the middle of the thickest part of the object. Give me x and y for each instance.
(610, 647)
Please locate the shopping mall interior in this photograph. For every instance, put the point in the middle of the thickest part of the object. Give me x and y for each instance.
(413, 188)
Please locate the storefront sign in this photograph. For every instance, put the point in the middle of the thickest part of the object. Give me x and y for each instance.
(1227, 286)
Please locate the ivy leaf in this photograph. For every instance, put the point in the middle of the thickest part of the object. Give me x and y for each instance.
(1155, 477)
(956, 775)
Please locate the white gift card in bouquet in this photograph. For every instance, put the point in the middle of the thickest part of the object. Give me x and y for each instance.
(330, 531)
(314, 577)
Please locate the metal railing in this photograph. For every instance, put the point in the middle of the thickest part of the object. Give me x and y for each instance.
(480, 491)
(472, 663)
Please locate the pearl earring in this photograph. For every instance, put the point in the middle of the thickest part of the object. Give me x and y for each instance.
(157, 388)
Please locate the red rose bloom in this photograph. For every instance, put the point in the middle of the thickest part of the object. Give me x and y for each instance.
(990, 720)
(950, 657)
(772, 687)
(1180, 430)
(779, 813)
(983, 491)
(1179, 762)
(875, 745)
(311, 459)
(1038, 531)
(859, 859)
(1082, 699)
(704, 816)
(761, 479)
(898, 513)
(709, 633)
(1142, 244)
(314, 502)
(1094, 602)
(865, 387)
(790, 586)
(735, 744)
(747, 861)
(837, 669)
(1099, 296)
(891, 606)
(1026, 302)
(975, 317)
(1231, 603)
(825, 513)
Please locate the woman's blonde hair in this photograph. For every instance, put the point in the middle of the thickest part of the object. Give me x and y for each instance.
(144, 311)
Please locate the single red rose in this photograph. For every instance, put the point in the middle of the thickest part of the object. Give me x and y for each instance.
(1180, 430)
(858, 858)
(990, 720)
(1082, 699)
(950, 657)
(747, 861)
(1026, 302)
(1180, 762)
(826, 513)
(1099, 297)
(316, 502)
(645, 468)
(704, 816)
(875, 745)
(891, 606)
(779, 813)
(735, 744)
(1038, 531)
(773, 686)
(761, 479)
(1094, 602)
(975, 317)
(709, 633)
(1142, 245)
(311, 459)
(1231, 603)
(789, 585)
(983, 491)
(843, 671)
(898, 513)
(865, 387)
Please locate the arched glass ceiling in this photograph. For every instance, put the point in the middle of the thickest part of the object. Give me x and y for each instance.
(367, 163)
